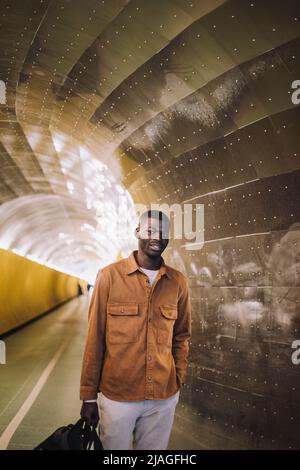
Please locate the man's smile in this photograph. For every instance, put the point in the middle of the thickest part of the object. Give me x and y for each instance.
(155, 246)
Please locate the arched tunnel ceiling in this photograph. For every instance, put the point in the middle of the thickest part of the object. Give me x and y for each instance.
(158, 102)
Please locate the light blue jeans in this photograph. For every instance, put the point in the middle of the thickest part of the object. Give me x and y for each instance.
(138, 425)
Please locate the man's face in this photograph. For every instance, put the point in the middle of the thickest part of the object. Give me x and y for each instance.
(150, 234)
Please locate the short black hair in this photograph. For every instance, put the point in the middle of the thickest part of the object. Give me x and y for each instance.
(154, 214)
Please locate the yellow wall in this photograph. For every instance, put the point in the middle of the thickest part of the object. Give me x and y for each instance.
(28, 289)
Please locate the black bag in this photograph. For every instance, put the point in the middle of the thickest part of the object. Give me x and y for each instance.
(77, 436)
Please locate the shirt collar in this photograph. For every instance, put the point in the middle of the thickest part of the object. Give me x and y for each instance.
(132, 265)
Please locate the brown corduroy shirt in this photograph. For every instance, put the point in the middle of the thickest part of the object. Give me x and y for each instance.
(138, 336)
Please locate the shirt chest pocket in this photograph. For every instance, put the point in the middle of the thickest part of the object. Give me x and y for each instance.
(167, 316)
(122, 322)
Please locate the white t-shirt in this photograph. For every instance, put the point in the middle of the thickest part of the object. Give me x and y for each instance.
(151, 273)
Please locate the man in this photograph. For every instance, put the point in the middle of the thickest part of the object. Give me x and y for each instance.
(137, 344)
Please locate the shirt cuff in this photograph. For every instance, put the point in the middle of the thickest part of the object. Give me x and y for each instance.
(88, 393)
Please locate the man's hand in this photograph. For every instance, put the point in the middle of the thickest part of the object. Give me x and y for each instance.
(179, 381)
(89, 413)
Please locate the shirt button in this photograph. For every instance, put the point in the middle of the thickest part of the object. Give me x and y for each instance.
(149, 378)
(149, 358)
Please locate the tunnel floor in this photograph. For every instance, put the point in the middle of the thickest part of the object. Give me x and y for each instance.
(39, 386)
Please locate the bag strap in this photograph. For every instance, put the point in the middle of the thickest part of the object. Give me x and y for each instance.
(94, 439)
